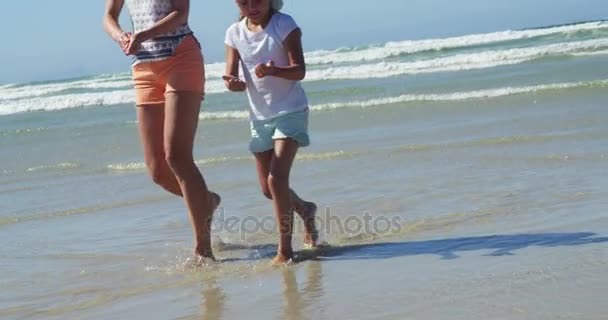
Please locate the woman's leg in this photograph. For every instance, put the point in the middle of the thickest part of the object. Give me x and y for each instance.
(150, 120)
(181, 121)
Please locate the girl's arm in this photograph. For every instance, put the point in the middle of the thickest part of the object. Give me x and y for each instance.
(296, 70)
(231, 79)
(110, 20)
(176, 18)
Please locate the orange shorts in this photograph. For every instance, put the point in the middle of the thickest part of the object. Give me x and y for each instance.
(182, 72)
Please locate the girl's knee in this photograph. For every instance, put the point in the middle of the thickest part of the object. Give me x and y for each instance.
(277, 181)
(265, 188)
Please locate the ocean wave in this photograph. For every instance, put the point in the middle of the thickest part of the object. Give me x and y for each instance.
(392, 49)
(54, 167)
(459, 62)
(38, 90)
(117, 89)
(141, 166)
(98, 83)
(411, 98)
(68, 101)
(78, 100)
(127, 97)
(456, 96)
(593, 53)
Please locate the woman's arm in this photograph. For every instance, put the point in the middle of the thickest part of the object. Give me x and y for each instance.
(231, 78)
(110, 20)
(296, 70)
(172, 21)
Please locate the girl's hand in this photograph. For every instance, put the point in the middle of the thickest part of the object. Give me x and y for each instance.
(267, 69)
(234, 84)
(134, 42)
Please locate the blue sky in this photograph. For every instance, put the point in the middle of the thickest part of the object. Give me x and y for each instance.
(58, 39)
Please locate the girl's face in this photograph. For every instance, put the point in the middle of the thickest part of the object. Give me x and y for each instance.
(254, 10)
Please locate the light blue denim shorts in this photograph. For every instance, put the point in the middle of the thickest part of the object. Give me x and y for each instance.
(292, 125)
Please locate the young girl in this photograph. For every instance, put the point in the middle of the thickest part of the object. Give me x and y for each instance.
(268, 45)
(169, 74)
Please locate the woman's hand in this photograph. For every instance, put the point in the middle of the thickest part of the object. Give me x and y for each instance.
(265, 69)
(124, 40)
(134, 43)
(234, 84)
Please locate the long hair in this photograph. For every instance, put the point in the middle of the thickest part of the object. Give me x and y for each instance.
(275, 6)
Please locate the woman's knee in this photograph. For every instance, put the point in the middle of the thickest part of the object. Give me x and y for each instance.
(158, 170)
(179, 159)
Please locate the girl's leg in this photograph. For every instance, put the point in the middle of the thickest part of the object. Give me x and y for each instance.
(305, 210)
(278, 182)
(181, 120)
(262, 164)
(150, 120)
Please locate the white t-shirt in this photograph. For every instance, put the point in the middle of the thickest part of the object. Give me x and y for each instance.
(270, 96)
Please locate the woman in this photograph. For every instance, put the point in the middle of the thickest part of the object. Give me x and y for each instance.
(168, 73)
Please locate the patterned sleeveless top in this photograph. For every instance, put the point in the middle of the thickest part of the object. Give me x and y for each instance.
(144, 14)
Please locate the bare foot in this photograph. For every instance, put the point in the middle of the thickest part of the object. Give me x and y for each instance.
(311, 235)
(198, 261)
(206, 253)
(281, 260)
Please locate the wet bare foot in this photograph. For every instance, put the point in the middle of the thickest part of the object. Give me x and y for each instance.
(198, 261)
(206, 253)
(281, 260)
(311, 235)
